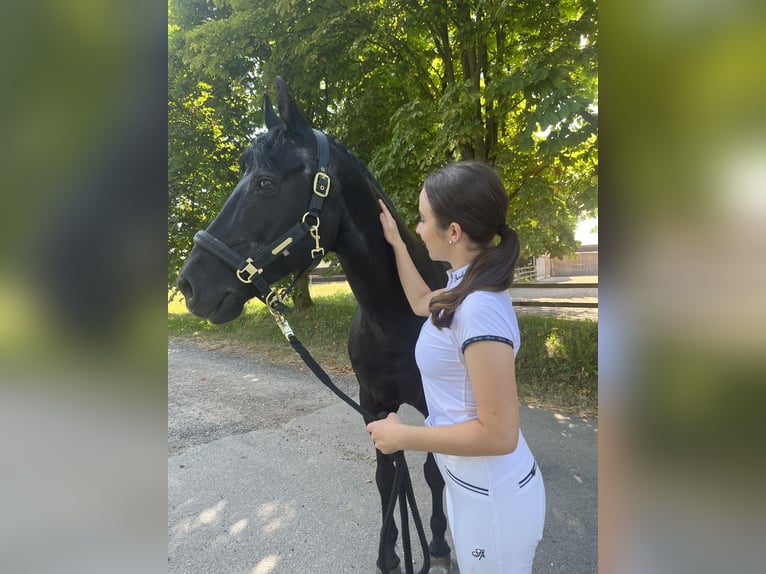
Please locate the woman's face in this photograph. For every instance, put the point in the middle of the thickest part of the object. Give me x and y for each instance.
(434, 238)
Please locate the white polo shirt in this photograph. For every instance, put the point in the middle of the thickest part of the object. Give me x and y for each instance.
(449, 394)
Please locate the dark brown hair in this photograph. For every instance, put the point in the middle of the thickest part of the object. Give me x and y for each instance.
(471, 194)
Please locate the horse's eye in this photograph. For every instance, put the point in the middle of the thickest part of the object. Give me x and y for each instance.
(265, 185)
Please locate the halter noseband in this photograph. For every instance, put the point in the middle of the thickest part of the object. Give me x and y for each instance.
(250, 269)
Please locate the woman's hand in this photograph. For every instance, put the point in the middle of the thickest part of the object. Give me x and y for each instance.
(386, 433)
(390, 229)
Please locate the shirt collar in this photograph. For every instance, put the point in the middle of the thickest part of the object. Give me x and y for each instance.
(454, 276)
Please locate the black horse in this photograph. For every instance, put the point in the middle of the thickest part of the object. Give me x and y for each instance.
(301, 194)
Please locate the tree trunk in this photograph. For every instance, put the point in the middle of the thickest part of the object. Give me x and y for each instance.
(301, 296)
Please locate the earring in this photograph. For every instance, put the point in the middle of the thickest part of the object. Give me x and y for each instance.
(450, 242)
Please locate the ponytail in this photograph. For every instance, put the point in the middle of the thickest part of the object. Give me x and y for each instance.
(492, 270)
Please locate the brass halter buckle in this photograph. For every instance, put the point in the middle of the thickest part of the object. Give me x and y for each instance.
(322, 184)
(251, 271)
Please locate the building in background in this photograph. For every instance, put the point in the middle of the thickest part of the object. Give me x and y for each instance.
(583, 262)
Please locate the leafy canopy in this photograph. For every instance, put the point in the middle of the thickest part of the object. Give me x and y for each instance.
(408, 85)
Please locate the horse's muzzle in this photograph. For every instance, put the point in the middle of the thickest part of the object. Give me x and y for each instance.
(185, 288)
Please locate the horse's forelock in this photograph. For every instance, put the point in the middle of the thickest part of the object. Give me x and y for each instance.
(306, 158)
(271, 148)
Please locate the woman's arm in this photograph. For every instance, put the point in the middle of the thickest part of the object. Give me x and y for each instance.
(416, 290)
(496, 431)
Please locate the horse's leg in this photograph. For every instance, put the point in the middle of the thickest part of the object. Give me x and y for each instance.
(439, 549)
(384, 477)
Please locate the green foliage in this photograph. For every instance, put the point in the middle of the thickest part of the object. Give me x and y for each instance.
(559, 357)
(407, 85)
(209, 122)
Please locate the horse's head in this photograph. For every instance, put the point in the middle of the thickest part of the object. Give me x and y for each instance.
(277, 221)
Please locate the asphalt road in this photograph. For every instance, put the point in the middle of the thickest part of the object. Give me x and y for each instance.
(270, 473)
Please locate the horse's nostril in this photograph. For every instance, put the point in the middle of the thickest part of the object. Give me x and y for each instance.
(185, 287)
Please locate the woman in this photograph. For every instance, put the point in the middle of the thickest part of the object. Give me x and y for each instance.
(466, 352)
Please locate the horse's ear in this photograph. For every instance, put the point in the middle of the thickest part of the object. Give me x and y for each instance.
(288, 111)
(269, 116)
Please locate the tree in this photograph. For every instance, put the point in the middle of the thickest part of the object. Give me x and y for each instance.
(408, 85)
(209, 122)
(512, 84)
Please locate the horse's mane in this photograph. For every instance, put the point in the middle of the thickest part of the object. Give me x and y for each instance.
(359, 164)
(410, 239)
(366, 172)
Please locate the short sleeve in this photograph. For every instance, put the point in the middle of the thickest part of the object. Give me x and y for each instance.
(486, 316)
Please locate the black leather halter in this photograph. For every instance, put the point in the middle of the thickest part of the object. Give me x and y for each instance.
(250, 268)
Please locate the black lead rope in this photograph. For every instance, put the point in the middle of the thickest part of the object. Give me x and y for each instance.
(402, 487)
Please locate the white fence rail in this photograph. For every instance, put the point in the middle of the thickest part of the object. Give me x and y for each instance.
(525, 273)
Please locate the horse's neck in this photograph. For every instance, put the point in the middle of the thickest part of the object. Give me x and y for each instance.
(374, 280)
(367, 258)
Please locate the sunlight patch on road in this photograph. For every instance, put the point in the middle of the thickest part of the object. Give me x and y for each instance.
(274, 517)
(238, 527)
(266, 565)
(212, 514)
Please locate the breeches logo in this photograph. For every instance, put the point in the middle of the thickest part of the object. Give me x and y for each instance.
(478, 553)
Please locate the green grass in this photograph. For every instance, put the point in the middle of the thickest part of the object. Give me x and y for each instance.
(323, 329)
(556, 366)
